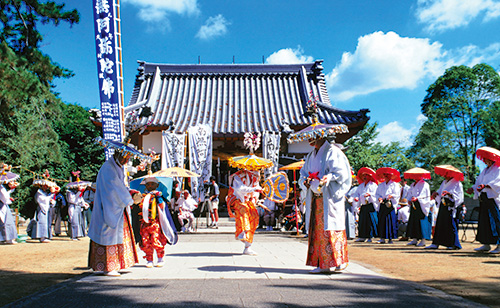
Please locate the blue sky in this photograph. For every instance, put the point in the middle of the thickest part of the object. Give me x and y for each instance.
(378, 54)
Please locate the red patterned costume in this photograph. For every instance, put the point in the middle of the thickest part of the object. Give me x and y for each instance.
(242, 198)
(153, 237)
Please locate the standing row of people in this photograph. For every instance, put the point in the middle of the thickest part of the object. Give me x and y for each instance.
(378, 195)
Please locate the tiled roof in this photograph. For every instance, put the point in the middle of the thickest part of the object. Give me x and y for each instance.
(235, 98)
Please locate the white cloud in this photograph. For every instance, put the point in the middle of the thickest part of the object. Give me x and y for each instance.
(421, 119)
(213, 27)
(156, 11)
(441, 15)
(394, 132)
(471, 55)
(384, 61)
(289, 56)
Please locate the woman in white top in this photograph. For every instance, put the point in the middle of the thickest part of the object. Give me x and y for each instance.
(487, 189)
(419, 226)
(387, 198)
(363, 199)
(449, 197)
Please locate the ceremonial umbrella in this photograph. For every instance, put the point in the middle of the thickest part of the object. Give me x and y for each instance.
(295, 166)
(417, 174)
(317, 130)
(396, 177)
(123, 148)
(250, 162)
(7, 176)
(489, 153)
(449, 171)
(174, 172)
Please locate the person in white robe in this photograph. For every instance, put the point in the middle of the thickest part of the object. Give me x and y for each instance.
(363, 200)
(40, 226)
(76, 206)
(387, 197)
(419, 226)
(448, 197)
(8, 230)
(112, 246)
(326, 174)
(487, 190)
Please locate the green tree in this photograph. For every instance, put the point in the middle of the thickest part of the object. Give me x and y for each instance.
(491, 125)
(28, 106)
(454, 105)
(76, 133)
(18, 29)
(363, 151)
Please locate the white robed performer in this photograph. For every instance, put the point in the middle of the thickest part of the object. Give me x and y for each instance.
(364, 201)
(76, 206)
(419, 225)
(327, 175)
(387, 199)
(487, 190)
(40, 226)
(449, 197)
(8, 230)
(112, 246)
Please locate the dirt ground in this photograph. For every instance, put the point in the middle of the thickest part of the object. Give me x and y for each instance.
(32, 267)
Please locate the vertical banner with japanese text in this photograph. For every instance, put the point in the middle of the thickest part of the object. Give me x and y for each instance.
(200, 157)
(270, 150)
(108, 70)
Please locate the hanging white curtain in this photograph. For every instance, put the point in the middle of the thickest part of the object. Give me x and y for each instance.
(270, 150)
(172, 154)
(200, 157)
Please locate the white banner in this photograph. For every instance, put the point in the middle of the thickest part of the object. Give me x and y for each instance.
(172, 154)
(270, 150)
(200, 157)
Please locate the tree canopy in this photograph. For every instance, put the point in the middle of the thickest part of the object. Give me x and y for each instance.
(37, 130)
(456, 107)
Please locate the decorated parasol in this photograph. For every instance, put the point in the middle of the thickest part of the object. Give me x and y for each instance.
(293, 166)
(368, 171)
(250, 162)
(174, 172)
(316, 129)
(417, 174)
(449, 171)
(396, 176)
(123, 148)
(489, 153)
(78, 184)
(6, 176)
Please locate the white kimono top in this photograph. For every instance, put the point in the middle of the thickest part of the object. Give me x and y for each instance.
(363, 189)
(489, 176)
(329, 161)
(5, 199)
(385, 190)
(44, 200)
(111, 198)
(422, 192)
(456, 190)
